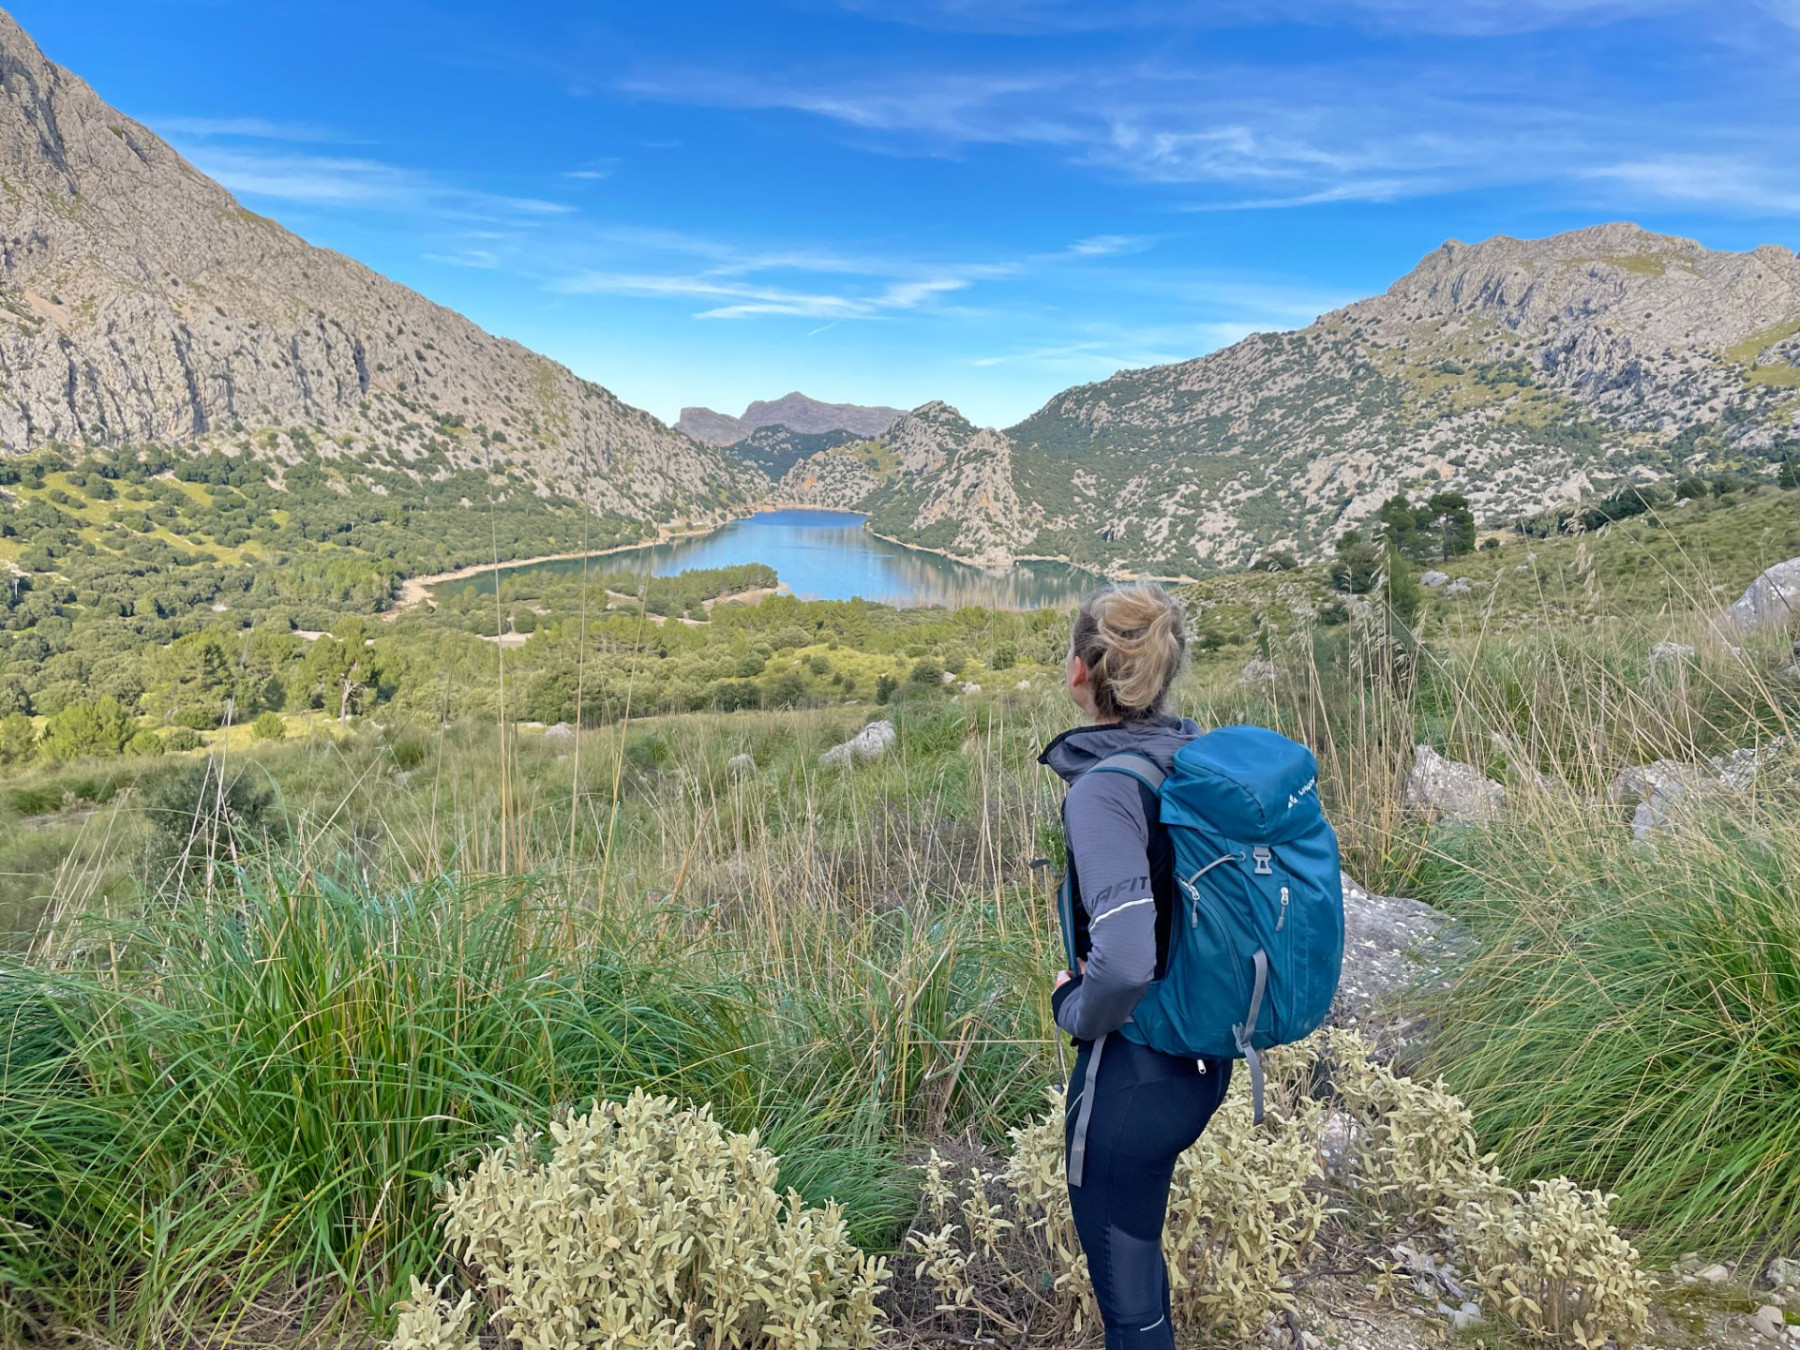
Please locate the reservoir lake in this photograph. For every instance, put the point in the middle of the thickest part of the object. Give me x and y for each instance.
(829, 555)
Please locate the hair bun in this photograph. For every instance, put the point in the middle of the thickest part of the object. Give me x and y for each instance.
(1133, 641)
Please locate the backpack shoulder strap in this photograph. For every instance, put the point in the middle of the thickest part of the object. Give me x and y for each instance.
(1135, 766)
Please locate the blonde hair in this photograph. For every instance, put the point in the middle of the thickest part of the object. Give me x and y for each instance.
(1132, 640)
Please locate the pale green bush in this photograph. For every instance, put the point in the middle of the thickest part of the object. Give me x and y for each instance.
(427, 1322)
(1554, 1264)
(644, 1225)
(1000, 1252)
(1399, 1145)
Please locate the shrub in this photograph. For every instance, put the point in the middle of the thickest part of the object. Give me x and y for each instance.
(35, 801)
(1344, 1134)
(925, 675)
(203, 816)
(145, 745)
(181, 739)
(644, 1224)
(1398, 1146)
(18, 739)
(409, 750)
(269, 726)
(1554, 1264)
(1240, 1218)
(82, 729)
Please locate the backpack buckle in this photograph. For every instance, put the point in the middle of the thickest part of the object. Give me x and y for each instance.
(1263, 857)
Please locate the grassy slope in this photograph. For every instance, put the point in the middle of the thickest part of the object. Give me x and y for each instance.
(859, 960)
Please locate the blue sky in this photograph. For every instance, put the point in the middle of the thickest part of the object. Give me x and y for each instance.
(986, 201)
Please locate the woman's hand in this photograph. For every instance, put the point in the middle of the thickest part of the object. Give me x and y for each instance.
(1062, 978)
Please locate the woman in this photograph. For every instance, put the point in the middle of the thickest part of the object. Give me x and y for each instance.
(1130, 1110)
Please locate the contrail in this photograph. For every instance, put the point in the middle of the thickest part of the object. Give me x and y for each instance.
(822, 327)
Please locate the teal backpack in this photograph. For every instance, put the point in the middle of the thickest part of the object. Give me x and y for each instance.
(1256, 943)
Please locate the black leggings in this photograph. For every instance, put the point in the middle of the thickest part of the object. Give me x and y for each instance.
(1147, 1107)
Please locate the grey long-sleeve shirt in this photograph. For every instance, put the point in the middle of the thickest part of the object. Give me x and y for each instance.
(1111, 847)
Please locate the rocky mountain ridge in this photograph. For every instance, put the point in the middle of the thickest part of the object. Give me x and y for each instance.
(139, 302)
(1521, 373)
(794, 411)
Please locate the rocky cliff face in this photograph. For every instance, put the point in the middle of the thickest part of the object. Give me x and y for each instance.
(951, 485)
(140, 303)
(1520, 372)
(794, 411)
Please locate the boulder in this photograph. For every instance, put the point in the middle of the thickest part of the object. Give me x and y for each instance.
(1259, 671)
(1781, 1273)
(740, 768)
(1665, 786)
(1448, 790)
(1434, 579)
(1665, 654)
(1391, 945)
(562, 731)
(1461, 586)
(1738, 770)
(1667, 778)
(1770, 1320)
(1770, 601)
(871, 743)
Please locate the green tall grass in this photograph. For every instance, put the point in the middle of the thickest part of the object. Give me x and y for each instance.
(245, 1093)
(268, 1093)
(1632, 1016)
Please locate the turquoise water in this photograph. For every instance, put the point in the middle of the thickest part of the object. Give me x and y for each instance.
(828, 555)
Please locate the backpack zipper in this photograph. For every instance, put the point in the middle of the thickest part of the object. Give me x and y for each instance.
(1282, 920)
(1187, 884)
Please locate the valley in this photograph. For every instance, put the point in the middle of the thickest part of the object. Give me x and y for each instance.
(435, 792)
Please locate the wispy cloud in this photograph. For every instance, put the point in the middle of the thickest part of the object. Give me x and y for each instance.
(838, 285)
(748, 300)
(1782, 11)
(344, 181)
(1274, 136)
(1446, 17)
(483, 260)
(593, 171)
(1097, 358)
(257, 156)
(1356, 190)
(1105, 245)
(247, 128)
(1720, 182)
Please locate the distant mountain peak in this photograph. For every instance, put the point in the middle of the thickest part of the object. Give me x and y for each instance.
(795, 411)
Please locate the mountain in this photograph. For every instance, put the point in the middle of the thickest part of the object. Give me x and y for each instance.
(773, 450)
(140, 303)
(1518, 372)
(794, 411)
(150, 321)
